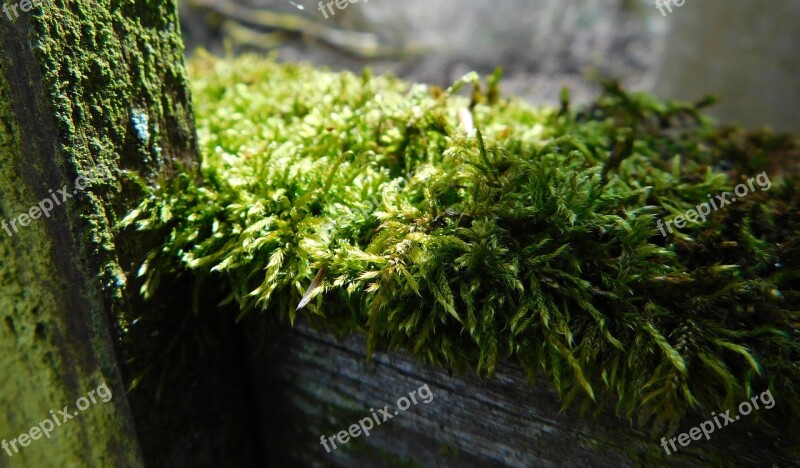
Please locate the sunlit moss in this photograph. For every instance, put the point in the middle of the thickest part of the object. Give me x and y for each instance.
(373, 204)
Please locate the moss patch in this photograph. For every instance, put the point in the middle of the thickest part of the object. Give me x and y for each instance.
(371, 205)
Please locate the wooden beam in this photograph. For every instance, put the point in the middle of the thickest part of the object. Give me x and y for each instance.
(312, 384)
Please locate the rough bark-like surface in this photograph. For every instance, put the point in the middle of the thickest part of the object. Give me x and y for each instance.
(86, 88)
(317, 385)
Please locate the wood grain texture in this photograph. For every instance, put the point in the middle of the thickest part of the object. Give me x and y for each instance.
(309, 384)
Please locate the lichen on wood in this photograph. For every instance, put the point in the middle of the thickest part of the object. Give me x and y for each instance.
(73, 74)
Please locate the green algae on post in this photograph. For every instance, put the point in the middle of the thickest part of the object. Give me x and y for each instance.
(532, 238)
(72, 77)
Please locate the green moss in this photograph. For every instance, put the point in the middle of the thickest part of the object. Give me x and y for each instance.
(37, 372)
(75, 78)
(366, 201)
(18, 328)
(116, 81)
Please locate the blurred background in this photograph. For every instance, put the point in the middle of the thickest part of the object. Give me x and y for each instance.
(747, 52)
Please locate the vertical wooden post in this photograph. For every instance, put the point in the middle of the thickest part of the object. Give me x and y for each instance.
(87, 89)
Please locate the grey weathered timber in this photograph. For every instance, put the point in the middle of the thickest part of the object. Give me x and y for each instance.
(311, 384)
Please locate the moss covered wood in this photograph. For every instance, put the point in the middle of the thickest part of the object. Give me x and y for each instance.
(93, 89)
(373, 206)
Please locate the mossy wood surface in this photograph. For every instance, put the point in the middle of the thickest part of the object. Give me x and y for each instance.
(312, 384)
(96, 89)
(475, 231)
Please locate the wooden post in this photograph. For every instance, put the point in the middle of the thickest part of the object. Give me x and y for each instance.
(88, 90)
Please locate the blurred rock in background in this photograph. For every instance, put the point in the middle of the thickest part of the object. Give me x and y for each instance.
(542, 45)
(745, 52)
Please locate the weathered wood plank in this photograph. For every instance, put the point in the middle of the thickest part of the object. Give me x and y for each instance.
(311, 384)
